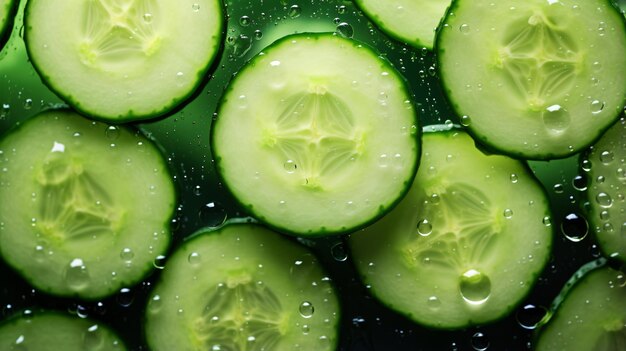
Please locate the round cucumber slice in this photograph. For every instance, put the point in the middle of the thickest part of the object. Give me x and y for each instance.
(607, 188)
(7, 14)
(411, 21)
(535, 79)
(591, 315)
(123, 60)
(317, 135)
(85, 207)
(242, 287)
(465, 245)
(56, 331)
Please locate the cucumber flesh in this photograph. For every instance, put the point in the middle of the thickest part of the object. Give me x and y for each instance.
(536, 79)
(7, 14)
(317, 135)
(56, 331)
(411, 21)
(607, 188)
(242, 287)
(465, 245)
(146, 56)
(85, 207)
(590, 316)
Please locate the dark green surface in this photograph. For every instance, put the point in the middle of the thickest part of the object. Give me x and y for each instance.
(366, 325)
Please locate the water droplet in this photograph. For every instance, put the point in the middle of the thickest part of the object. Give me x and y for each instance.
(475, 287)
(258, 34)
(464, 28)
(604, 200)
(345, 30)
(579, 183)
(433, 303)
(556, 118)
(245, 21)
(480, 342)
(558, 188)
(195, 7)
(125, 297)
(574, 227)
(159, 262)
(194, 258)
(19, 344)
(383, 161)
(77, 275)
(290, 166)
(112, 132)
(213, 214)
(606, 157)
(466, 121)
(341, 9)
(514, 178)
(127, 254)
(155, 304)
(28, 104)
(93, 338)
(508, 213)
(339, 253)
(295, 11)
(547, 221)
(596, 106)
(306, 309)
(306, 329)
(424, 227)
(585, 165)
(147, 17)
(530, 315)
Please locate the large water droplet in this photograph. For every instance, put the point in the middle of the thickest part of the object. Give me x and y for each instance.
(306, 309)
(424, 228)
(603, 199)
(530, 315)
(345, 30)
(574, 227)
(596, 106)
(433, 303)
(194, 259)
(556, 119)
(76, 274)
(475, 287)
(290, 166)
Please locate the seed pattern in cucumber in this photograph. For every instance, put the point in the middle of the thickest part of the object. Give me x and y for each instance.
(123, 61)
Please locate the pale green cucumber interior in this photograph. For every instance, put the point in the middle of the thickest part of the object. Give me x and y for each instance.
(56, 331)
(85, 206)
(467, 242)
(123, 51)
(539, 79)
(242, 288)
(413, 21)
(592, 315)
(607, 190)
(316, 135)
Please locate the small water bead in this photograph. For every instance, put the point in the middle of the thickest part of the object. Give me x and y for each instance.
(125, 297)
(424, 227)
(383, 161)
(559, 188)
(433, 303)
(290, 166)
(194, 259)
(508, 213)
(345, 30)
(306, 329)
(574, 227)
(28, 104)
(514, 178)
(464, 28)
(127, 254)
(77, 275)
(245, 21)
(585, 165)
(596, 106)
(306, 309)
(341, 9)
(159, 262)
(466, 121)
(604, 200)
(530, 316)
(295, 11)
(606, 157)
(480, 342)
(579, 183)
(112, 132)
(147, 17)
(213, 214)
(556, 118)
(475, 287)
(339, 252)
(195, 7)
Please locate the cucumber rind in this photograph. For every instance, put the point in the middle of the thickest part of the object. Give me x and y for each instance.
(141, 266)
(164, 110)
(53, 322)
(211, 268)
(517, 151)
(547, 336)
(361, 261)
(6, 23)
(320, 230)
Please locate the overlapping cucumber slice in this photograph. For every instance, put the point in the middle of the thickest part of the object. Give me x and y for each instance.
(607, 190)
(465, 245)
(534, 79)
(123, 60)
(242, 287)
(7, 14)
(85, 207)
(317, 135)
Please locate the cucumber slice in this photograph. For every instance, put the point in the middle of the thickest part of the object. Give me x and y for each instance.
(534, 79)
(123, 60)
(411, 21)
(607, 205)
(242, 287)
(56, 331)
(590, 316)
(465, 245)
(317, 135)
(85, 207)
(7, 15)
